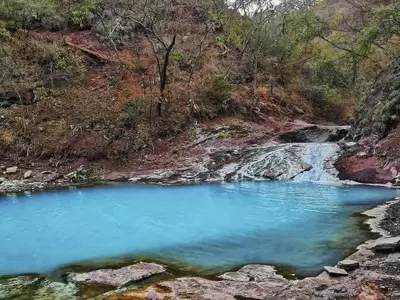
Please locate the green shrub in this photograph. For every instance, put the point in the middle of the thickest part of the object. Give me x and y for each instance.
(133, 112)
(216, 95)
(219, 90)
(70, 63)
(48, 14)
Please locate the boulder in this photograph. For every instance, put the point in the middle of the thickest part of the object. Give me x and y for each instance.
(118, 277)
(333, 271)
(2, 179)
(348, 264)
(391, 244)
(349, 145)
(28, 174)
(12, 170)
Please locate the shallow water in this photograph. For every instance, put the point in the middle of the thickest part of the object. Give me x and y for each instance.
(214, 226)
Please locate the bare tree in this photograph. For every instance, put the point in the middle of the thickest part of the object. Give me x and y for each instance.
(150, 17)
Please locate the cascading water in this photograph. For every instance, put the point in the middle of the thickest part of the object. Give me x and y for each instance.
(320, 156)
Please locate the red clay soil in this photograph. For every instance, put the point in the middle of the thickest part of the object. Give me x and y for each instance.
(380, 162)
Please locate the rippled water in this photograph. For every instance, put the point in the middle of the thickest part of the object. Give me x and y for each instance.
(217, 227)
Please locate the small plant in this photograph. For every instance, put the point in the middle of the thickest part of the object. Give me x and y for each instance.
(223, 134)
(70, 63)
(127, 92)
(193, 135)
(220, 90)
(113, 83)
(177, 57)
(40, 93)
(138, 66)
(218, 93)
(133, 111)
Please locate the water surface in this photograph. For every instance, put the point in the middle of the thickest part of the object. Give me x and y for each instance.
(214, 226)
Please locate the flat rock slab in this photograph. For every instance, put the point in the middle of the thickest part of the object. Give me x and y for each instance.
(387, 244)
(348, 264)
(257, 273)
(118, 277)
(333, 271)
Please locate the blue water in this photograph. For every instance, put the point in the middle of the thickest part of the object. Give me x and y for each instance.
(217, 227)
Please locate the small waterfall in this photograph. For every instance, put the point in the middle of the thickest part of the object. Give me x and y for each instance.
(320, 156)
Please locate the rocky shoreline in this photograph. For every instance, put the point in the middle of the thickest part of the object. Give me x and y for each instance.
(216, 153)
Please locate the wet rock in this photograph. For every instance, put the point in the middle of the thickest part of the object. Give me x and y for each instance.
(28, 174)
(333, 271)
(35, 288)
(348, 264)
(269, 162)
(12, 170)
(387, 244)
(349, 145)
(316, 134)
(275, 163)
(118, 277)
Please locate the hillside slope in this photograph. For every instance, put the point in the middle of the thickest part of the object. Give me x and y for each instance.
(69, 97)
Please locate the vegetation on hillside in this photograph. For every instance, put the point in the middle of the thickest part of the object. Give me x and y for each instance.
(106, 78)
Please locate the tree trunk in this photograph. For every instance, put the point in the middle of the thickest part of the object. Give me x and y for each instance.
(163, 75)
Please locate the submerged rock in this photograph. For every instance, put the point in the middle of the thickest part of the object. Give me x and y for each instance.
(390, 244)
(333, 271)
(118, 277)
(35, 288)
